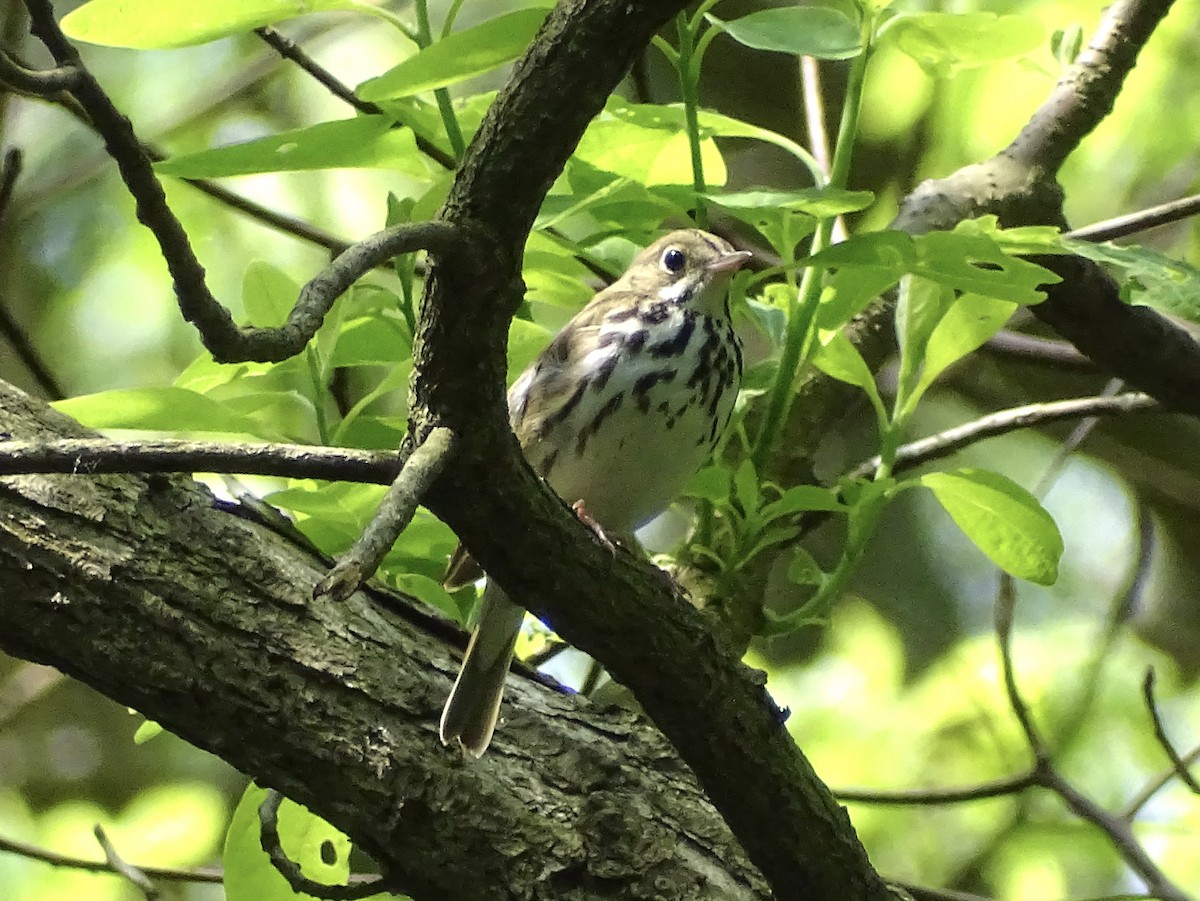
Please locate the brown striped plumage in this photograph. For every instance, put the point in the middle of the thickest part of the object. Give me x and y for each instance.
(617, 413)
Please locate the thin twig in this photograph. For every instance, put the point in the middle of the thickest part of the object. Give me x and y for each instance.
(1039, 350)
(268, 817)
(220, 334)
(1155, 785)
(54, 859)
(289, 50)
(943, 444)
(42, 82)
(395, 512)
(132, 874)
(10, 171)
(24, 685)
(1142, 220)
(10, 328)
(1160, 732)
(918, 797)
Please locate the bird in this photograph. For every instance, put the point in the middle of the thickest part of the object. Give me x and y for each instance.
(618, 412)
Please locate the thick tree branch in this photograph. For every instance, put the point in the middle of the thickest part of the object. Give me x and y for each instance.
(739, 748)
(204, 623)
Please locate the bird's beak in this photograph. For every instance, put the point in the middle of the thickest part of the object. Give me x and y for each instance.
(730, 262)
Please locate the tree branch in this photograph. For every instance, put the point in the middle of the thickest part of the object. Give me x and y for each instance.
(203, 622)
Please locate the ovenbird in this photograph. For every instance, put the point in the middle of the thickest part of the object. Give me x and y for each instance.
(617, 413)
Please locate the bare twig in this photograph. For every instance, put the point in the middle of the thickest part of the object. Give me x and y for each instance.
(1039, 350)
(10, 171)
(289, 50)
(919, 797)
(1155, 785)
(33, 81)
(394, 514)
(1160, 732)
(132, 874)
(166, 874)
(1142, 220)
(224, 339)
(268, 817)
(945, 443)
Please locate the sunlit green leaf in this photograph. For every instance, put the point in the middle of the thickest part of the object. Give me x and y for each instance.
(943, 43)
(840, 359)
(322, 852)
(711, 484)
(648, 144)
(971, 320)
(802, 30)
(158, 24)
(458, 56)
(268, 294)
(364, 142)
(158, 409)
(1003, 520)
(1149, 278)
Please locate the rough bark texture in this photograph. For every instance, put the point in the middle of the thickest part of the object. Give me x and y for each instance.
(201, 620)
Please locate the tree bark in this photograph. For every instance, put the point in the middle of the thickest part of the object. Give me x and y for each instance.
(202, 620)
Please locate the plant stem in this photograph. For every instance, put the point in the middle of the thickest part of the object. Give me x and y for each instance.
(689, 90)
(445, 106)
(801, 330)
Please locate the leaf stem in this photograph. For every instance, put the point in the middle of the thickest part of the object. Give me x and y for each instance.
(445, 106)
(801, 331)
(689, 90)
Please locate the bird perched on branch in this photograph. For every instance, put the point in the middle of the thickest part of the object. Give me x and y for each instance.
(617, 413)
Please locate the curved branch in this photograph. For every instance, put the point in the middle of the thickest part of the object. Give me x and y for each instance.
(224, 339)
(392, 517)
(1086, 94)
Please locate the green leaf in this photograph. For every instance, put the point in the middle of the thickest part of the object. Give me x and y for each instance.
(745, 488)
(525, 341)
(458, 56)
(372, 340)
(971, 320)
(711, 484)
(801, 30)
(803, 498)
(969, 259)
(160, 24)
(784, 217)
(1149, 278)
(1004, 521)
(945, 43)
(891, 250)
(804, 569)
(840, 359)
(648, 144)
(268, 294)
(157, 409)
(920, 305)
(364, 142)
(714, 124)
(322, 851)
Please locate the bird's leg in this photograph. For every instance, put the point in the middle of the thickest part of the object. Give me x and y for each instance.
(584, 517)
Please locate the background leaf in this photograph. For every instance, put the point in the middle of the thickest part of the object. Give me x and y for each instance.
(1004, 521)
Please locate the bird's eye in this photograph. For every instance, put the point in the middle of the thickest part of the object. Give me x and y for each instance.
(673, 260)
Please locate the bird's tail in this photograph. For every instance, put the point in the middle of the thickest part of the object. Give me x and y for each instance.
(473, 707)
